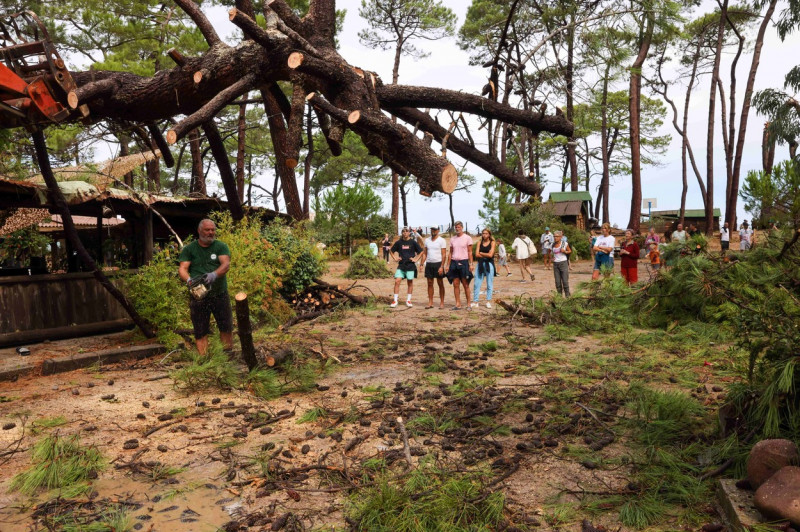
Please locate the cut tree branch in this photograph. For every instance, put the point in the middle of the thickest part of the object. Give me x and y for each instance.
(209, 110)
(203, 24)
(470, 153)
(394, 96)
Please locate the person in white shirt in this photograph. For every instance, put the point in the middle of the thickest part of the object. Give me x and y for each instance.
(502, 256)
(604, 253)
(546, 240)
(520, 247)
(745, 237)
(725, 237)
(434, 253)
(679, 235)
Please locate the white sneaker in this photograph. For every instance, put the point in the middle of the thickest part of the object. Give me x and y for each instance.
(474, 305)
(393, 304)
(488, 304)
(408, 304)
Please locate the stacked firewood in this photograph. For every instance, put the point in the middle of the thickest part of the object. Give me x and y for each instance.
(316, 298)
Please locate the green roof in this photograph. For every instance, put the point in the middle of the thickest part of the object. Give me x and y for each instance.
(689, 213)
(576, 195)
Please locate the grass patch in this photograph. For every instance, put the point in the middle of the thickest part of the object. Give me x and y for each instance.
(47, 423)
(315, 414)
(206, 372)
(428, 499)
(59, 463)
(427, 422)
(83, 518)
(437, 366)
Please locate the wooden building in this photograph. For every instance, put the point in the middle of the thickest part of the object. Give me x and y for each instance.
(572, 207)
(51, 306)
(671, 218)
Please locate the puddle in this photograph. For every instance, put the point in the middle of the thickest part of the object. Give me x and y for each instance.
(197, 505)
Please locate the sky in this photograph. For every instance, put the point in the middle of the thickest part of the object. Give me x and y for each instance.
(448, 67)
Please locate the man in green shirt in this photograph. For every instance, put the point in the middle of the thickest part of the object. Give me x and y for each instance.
(210, 259)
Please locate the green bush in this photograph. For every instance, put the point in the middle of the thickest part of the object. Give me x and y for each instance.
(269, 263)
(532, 219)
(364, 265)
(300, 260)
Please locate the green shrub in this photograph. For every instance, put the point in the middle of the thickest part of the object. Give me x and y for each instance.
(299, 261)
(533, 218)
(364, 265)
(269, 263)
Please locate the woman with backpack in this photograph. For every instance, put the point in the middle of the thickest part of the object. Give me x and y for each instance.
(523, 248)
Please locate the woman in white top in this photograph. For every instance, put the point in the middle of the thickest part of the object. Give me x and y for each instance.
(520, 247)
(561, 253)
(604, 253)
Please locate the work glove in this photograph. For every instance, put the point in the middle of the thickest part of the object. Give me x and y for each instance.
(209, 278)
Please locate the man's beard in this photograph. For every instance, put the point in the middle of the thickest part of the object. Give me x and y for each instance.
(206, 239)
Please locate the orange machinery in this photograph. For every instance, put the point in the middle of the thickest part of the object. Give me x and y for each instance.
(34, 83)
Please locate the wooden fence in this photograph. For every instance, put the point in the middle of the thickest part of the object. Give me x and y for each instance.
(52, 306)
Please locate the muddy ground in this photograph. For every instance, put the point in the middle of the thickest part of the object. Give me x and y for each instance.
(502, 380)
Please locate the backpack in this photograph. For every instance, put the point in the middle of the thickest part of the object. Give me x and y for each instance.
(531, 246)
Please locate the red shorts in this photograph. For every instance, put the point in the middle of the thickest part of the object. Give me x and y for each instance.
(630, 274)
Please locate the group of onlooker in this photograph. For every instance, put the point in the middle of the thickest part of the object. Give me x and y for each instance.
(462, 260)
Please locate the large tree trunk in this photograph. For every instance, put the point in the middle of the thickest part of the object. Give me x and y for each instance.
(570, 83)
(767, 150)
(300, 51)
(635, 112)
(602, 196)
(224, 166)
(198, 182)
(60, 204)
(307, 164)
(710, 138)
(730, 207)
(240, 151)
(277, 130)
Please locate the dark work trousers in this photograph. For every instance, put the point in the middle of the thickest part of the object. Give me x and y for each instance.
(561, 273)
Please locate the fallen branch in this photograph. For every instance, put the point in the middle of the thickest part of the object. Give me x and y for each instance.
(406, 447)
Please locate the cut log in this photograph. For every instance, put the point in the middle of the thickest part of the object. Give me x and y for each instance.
(295, 60)
(245, 330)
(279, 357)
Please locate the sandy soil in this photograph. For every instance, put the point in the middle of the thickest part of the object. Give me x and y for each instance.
(215, 437)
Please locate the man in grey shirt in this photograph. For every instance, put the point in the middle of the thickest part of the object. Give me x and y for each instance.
(679, 235)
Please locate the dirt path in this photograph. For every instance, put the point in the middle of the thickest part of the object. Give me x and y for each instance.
(507, 390)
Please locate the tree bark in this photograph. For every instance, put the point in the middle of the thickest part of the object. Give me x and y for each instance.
(730, 208)
(240, 151)
(635, 112)
(60, 204)
(299, 51)
(277, 130)
(245, 331)
(198, 180)
(709, 219)
(224, 166)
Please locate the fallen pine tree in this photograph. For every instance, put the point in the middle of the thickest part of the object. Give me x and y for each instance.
(748, 299)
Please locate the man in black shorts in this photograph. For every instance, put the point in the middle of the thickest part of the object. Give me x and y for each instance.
(434, 253)
(210, 259)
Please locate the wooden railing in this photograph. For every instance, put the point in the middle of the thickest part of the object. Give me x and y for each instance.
(41, 307)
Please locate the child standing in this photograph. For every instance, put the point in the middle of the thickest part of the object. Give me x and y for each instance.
(655, 257)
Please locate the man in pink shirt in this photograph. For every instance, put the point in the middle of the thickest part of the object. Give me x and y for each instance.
(459, 270)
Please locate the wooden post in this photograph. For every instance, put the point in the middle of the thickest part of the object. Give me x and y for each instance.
(99, 240)
(245, 332)
(147, 236)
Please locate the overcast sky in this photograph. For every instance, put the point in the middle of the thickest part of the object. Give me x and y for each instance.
(447, 67)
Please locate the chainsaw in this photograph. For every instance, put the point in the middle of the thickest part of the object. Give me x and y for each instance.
(198, 287)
